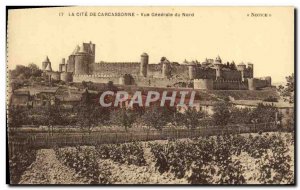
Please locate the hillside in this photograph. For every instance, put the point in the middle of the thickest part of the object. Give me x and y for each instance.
(207, 95)
(245, 94)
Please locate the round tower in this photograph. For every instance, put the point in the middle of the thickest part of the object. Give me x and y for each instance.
(144, 64)
(62, 65)
(269, 81)
(242, 67)
(81, 65)
(92, 48)
(251, 84)
(251, 69)
(192, 71)
(218, 71)
(71, 63)
(63, 68)
(250, 66)
(60, 68)
(82, 60)
(165, 68)
(218, 67)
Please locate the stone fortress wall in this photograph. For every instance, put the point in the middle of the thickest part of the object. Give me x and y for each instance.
(96, 78)
(211, 74)
(117, 68)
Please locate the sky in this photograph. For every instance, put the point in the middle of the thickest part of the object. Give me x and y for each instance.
(231, 32)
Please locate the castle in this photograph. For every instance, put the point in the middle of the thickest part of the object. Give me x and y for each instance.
(212, 74)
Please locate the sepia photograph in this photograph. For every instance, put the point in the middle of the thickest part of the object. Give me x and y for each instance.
(150, 95)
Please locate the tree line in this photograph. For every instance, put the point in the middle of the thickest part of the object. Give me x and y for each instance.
(87, 116)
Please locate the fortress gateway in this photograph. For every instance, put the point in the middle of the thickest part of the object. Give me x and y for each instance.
(212, 74)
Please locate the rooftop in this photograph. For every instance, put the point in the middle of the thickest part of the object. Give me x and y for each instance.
(280, 104)
(36, 89)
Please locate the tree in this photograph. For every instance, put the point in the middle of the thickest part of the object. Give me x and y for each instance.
(110, 87)
(287, 92)
(84, 84)
(53, 116)
(34, 70)
(265, 114)
(24, 72)
(89, 115)
(157, 117)
(191, 118)
(178, 119)
(20, 69)
(162, 59)
(222, 113)
(270, 99)
(16, 116)
(291, 122)
(123, 117)
(232, 66)
(240, 115)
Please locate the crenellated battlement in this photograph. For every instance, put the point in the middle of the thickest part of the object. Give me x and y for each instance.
(97, 75)
(124, 64)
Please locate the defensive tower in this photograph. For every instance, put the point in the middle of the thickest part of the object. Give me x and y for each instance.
(46, 65)
(218, 67)
(242, 67)
(144, 64)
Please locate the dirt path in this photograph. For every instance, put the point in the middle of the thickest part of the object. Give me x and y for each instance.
(47, 169)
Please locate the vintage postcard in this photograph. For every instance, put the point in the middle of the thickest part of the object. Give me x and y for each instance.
(150, 95)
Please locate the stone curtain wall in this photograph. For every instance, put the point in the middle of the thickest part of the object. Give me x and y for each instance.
(231, 75)
(230, 85)
(137, 80)
(158, 82)
(205, 73)
(95, 79)
(155, 70)
(119, 68)
(180, 72)
(259, 83)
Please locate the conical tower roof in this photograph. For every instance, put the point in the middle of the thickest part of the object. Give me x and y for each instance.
(218, 59)
(81, 49)
(48, 68)
(47, 59)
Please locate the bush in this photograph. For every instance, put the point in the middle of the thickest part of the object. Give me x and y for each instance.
(270, 99)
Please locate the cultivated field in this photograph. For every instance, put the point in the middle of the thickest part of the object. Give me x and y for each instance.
(266, 158)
